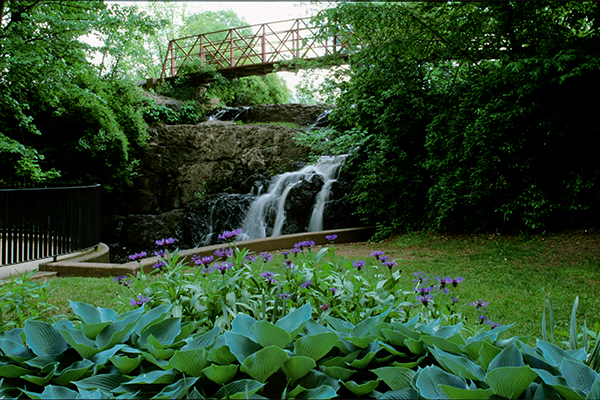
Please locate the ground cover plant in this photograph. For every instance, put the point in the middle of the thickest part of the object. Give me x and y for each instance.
(271, 342)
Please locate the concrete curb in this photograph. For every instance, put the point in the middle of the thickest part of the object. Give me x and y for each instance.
(95, 264)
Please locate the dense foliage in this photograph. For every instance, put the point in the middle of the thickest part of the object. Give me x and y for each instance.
(471, 115)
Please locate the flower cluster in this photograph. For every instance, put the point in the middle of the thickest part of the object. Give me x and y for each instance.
(331, 238)
(139, 301)
(223, 253)
(268, 275)
(230, 236)
(306, 244)
(164, 242)
(222, 267)
(250, 257)
(137, 256)
(423, 291)
(480, 306)
(306, 284)
(359, 265)
(377, 254)
(266, 257)
(122, 280)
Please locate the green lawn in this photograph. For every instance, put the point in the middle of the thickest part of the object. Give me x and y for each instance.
(511, 272)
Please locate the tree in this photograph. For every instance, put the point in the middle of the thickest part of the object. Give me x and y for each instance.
(452, 101)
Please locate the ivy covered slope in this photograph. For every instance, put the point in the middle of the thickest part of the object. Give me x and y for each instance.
(471, 115)
(153, 354)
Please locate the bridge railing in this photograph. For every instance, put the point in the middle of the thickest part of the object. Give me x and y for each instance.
(250, 46)
(47, 222)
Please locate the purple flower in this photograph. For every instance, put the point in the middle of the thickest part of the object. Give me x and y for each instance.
(359, 265)
(140, 300)
(303, 244)
(207, 270)
(285, 254)
(137, 256)
(377, 254)
(266, 257)
(492, 324)
(383, 258)
(285, 295)
(160, 253)
(390, 264)
(296, 250)
(268, 275)
(250, 257)
(456, 281)
(122, 280)
(306, 284)
(223, 253)
(222, 267)
(481, 318)
(480, 304)
(454, 299)
(159, 265)
(443, 283)
(421, 277)
(334, 290)
(331, 238)
(230, 235)
(423, 290)
(203, 260)
(425, 299)
(164, 242)
(289, 263)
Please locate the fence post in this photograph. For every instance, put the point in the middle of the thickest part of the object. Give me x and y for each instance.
(172, 51)
(263, 45)
(231, 62)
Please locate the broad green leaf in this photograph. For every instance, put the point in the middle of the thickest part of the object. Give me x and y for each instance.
(190, 362)
(402, 394)
(545, 391)
(492, 334)
(77, 339)
(220, 374)
(164, 331)
(177, 390)
(101, 358)
(466, 394)
(458, 365)
(298, 366)
(53, 392)
(578, 375)
(266, 334)
(159, 353)
(153, 377)
(126, 364)
(406, 329)
(442, 344)
(118, 330)
(295, 321)
(322, 392)
(315, 346)
(205, 340)
(106, 382)
(409, 364)
(361, 363)
(569, 393)
(340, 325)
(221, 355)
(91, 331)
(395, 377)
(241, 324)
(394, 338)
(340, 373)
(47, 374)
(315, 379)
(415, 346)
(153, 316)
(92, 315)
(43, 338)
(552, 353)
(241, 346)
(264, 363)
(487, 354)
(15, 351)
(238, 389)
(163, 364)
(430, 379)
(510, 382)
(366, 326)
(509, 357)
(72, 373)
(363, 388)
(340, 361)
(594, 392)
(448, 331)
(362, 342)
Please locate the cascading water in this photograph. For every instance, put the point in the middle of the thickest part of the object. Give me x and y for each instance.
(268, 213)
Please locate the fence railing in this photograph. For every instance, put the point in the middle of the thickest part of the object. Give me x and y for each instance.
(47, 222)
(249, 49)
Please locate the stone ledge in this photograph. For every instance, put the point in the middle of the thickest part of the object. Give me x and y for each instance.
(93, 264)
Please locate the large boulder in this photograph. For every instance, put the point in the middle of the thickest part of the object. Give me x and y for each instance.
(299, 114)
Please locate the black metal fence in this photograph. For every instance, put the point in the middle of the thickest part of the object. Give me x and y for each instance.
(47, 222)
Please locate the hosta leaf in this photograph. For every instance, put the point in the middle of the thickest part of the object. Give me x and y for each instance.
(395, 377)
(118, 330)
(431, 377)
(47, 372)
(466, 394)
(442, 344)
(322, 392)
(595, 390)
(220, 374)
(15, 351)
(362, 342)
(266, 334)
(221, 355)
(448, 331)
(458, 365)
(312, 327)
(205, 340)
(509, 357)
(239, 389)
(337, 372)
(315, 346)
(153, 316)
(106, 382)
(72, 373)
(552, 353)
(92, 315)
(152, 377)
(415, 346)
(101, 358)
(394, 338)
(492, 334)
(315, 379)
(53, 392)
(510, 382)
(402, 394)
(126, 364)
(545, 391)
(487, 353)
(295, 321)
(94, 394)
(163, 364)
(91, 331)
(77, 339)
(241, 346)
(160, 353)
(164, 331)
(177, 390)
(264, 363)
(242, 323)
(340, 325)
(298, 366)
(406, 330)
(569, 393)
(363, 388)
(364, 362)
(43, 338)
(340, 361)
(578, 375)
(366, 326)
(409, 364)
(190, 362)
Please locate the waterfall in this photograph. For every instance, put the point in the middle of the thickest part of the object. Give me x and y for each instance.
(268, 212)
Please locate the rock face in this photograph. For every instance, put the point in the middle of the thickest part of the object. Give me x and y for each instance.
(299, 114)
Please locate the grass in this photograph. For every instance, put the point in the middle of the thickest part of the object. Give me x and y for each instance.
(511, 272)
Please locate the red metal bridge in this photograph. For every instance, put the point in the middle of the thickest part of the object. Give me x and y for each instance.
(250, 50)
